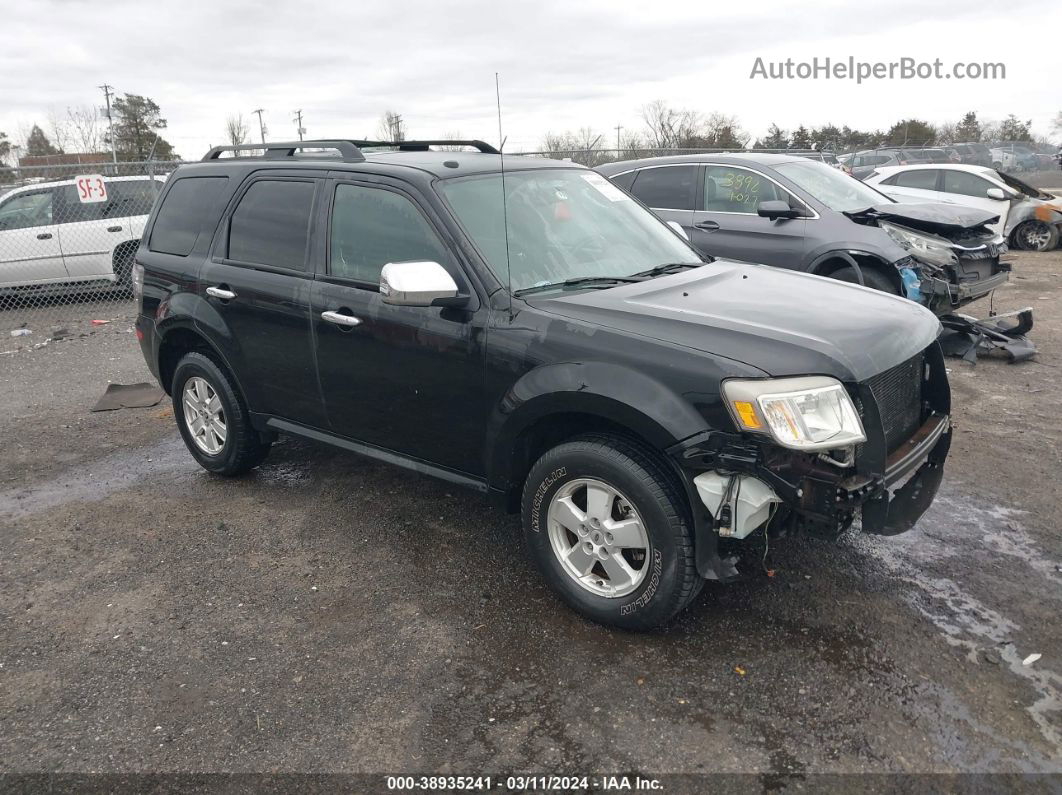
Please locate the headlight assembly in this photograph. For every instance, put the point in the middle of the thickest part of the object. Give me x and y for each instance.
(808, 413)
(928, 248)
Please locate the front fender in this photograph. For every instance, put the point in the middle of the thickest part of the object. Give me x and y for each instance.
(612, 392)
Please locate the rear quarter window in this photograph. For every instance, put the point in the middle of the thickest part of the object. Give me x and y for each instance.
(185, 210)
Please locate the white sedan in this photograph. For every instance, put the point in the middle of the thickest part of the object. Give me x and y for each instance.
(1028, 218)
(52, 240)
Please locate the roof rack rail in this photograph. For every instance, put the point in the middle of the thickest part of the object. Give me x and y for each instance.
(423, 146)
(348, 150)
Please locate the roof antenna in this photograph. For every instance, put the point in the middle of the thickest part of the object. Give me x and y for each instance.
(505, 211)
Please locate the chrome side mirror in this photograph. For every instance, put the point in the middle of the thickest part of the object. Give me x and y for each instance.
(417, 284)
(676, 227)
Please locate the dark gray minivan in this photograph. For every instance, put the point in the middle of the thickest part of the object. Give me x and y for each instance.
(791, 212)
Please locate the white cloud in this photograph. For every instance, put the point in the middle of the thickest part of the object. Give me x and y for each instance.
(563, 65)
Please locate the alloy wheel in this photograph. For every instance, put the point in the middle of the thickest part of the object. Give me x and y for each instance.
(204, 415)
(598, 538)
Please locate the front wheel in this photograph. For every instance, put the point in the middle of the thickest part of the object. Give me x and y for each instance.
(872, 278)
(1036, 236)
(610, 532)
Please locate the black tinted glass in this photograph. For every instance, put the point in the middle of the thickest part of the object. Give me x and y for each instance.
(184, 211)
(271, 224)
(667, 187)
(371, 227)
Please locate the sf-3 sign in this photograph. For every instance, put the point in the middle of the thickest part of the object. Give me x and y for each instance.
(91, 188)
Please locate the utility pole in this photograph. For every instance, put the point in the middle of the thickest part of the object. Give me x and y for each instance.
(261, 126)
(107, 91)
(298, 123)
(396, 127)
(618, 128)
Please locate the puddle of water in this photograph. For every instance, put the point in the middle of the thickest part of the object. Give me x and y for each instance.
(957, 526)
(100, 479)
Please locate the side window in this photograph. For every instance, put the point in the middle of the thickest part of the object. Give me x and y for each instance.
(625, 180)
(966, 184)
(69, 209)
(923, 178)
(271, 224)
(132, 197)
(26, 210)
(667, 187)
(188, 205)
(737, 190)
(876, 160)
(372, 227)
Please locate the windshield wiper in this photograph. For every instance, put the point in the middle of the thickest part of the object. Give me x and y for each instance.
(580, 281)
(667, 267)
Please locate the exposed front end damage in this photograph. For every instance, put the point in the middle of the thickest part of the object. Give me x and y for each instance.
(888, 481)
(953, 257)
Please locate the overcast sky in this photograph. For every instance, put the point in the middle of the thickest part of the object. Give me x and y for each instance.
(564, 64)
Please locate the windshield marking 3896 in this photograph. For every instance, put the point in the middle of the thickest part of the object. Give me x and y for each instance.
(565, 227)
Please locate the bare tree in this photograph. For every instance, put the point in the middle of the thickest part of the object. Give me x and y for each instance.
(453, 135)
(723, 132)
(671, 128)
(1056, 125)
(391, 127)
(236, 129)
(84, 122)
(59, 127)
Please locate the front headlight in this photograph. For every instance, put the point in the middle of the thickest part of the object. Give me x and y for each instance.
(808, 413)
(928, 248)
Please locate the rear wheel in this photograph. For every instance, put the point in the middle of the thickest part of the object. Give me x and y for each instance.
(213, 419)
(872, 278)
(1035, 236)
(122, 265)
(609, 531)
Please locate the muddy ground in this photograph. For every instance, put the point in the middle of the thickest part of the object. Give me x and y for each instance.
(326, 613)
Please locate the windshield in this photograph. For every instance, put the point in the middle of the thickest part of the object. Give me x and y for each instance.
(563, 224)
(832, 187)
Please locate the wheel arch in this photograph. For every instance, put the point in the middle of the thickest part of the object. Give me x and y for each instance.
(830, 262)
(559, 402)
(178, 338)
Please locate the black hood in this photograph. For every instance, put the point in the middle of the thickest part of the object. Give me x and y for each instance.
(933, 217)
(781, 322)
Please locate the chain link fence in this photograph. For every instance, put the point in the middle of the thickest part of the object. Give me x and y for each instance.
(68, 233)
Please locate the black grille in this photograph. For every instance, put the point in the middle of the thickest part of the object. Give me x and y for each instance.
(898, 393)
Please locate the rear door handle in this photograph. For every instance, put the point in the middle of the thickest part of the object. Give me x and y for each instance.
(44, 236)
(708, 226)
(114, 229)
(220, 292)
(341, 320)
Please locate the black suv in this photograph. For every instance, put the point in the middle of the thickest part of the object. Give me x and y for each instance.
(524, 328)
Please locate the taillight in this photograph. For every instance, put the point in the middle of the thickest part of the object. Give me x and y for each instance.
(138, 280)
(903, 162)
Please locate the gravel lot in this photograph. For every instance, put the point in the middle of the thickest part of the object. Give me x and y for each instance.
(330, 614)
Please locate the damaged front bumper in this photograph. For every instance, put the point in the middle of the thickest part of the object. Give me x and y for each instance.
(943, 290)
(889, 486)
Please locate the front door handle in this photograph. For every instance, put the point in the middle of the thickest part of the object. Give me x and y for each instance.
(707, 226)
(44, 236)
(341, 320)
(220, 292)
(114, 229)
